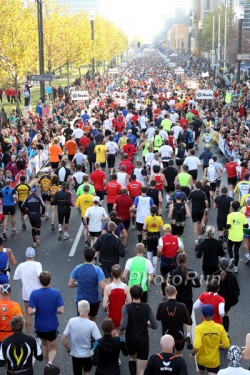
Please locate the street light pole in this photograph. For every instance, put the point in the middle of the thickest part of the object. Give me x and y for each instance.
(182, 45)
(240, 18)
(41, 46)
(92, 24)
(200, 31)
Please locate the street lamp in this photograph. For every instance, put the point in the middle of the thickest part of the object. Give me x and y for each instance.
(200, 32)
(92, 24)
(178, 44)
(240, 16)
(182, 45)
(41, 46)
(190, 40)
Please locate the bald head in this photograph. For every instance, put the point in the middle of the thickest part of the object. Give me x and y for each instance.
(167, 344)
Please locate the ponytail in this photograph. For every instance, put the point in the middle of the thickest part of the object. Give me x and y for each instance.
(182, 263)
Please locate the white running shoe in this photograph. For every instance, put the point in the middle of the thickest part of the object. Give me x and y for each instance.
(66, 236)
(60, 234)
(247, 259)
(235, 269)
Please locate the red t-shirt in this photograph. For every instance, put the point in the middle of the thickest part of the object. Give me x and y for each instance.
(129, 166)
(231, 169)
(123, 204)
(134, 188)
(98, 177)
(119, 127)
(183, 121)
(213, 299)
(84, 142)
(113, 187)
(130, 150)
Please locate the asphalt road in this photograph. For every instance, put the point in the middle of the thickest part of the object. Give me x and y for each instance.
(55, 258)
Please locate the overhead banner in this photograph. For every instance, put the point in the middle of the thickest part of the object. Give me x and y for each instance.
(113, 71)
(205, 94)
(80, 95)
(205, 74)
(179, 71)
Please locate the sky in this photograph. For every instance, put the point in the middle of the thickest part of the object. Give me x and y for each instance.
(138, 18)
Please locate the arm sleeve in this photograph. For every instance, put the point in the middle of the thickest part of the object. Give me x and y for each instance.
(124, 320)
(197, 339)
(96, 356)
(225, 339)
(153, 322)
(60, 302)
(198, 304)
(37, 351)
(97, 244)
(95, 332)
(222, 309)
(31, 301)
(100, 274)
(120, 248)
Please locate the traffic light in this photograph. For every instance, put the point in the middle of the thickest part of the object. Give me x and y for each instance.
(139, 44)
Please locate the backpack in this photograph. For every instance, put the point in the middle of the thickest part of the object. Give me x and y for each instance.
(190, 138)
(181, 153)
(182, 137)
(179, 213)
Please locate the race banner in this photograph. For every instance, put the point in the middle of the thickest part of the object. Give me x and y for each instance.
(80, 95)
(205, 94)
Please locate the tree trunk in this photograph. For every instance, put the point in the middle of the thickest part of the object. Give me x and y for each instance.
(17, 99)
(68, 71)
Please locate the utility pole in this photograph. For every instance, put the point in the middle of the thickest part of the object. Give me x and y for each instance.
(225, 38)
(218, 53)
(92, 24)
(200, 41)
(41, 46)
(240, 18)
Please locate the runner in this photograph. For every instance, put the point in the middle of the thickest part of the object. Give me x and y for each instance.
(8, 195)
(45, 183)
(93, 221)
(34, 207)
(6, 257)
(22, 190)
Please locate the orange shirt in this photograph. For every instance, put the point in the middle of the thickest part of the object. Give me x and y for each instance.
(8, 309)
(55, 151)
(71, 147)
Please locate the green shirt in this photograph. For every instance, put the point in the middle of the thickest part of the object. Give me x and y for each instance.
(236, 220)
(138, 273)
(184, 179)
(166, 124)
(81, 192)
(189, 116)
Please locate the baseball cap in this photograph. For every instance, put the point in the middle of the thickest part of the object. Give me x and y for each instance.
(167, 227)
(96, 199)
(178, 194)
(234, 356)
(207, 310)
(30, 252)
(6, 140)
(5, 289)
(129, 131)
(33, 189)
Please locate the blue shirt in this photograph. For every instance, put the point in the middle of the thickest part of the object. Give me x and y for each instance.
(46, 301)
(7, 195)
(133, 139)
(118, 229)
(85, 117)
(88, 277)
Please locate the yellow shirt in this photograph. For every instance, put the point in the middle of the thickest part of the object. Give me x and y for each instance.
(207, 339)
(236, 220)
(242, 188)
(84, 201)
(22, 191)
(243, 199)
(100, 151)
(154, 223)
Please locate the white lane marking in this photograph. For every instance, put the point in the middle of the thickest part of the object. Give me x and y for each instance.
(193, 328)
(77, 239)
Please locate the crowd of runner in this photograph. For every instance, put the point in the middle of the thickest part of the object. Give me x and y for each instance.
(141, 148)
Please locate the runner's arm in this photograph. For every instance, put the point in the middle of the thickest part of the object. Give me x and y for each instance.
(12, 258)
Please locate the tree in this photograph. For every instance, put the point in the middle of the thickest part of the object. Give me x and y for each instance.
(18, 42)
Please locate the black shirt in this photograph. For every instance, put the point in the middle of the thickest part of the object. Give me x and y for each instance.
(170, 173)
(106, 354)
(154, 194)
(110, 248)
(211, 250)
(172, 315)
(34, 205)
(184, 285)
(17, 352)
(198, 199)
(223, 204)
(166, 363)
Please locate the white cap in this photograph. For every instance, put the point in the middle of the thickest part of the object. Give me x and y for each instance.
(96, 199)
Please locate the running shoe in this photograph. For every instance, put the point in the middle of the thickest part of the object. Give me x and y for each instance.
(189, 343)
(203, 229)
(37, 240)
(231, 264)
(46, 216)
(66, 236)
(24, 226)
(126, 249)
(5, 236)
(235, 269)
(52, 227)
(13, 232)
(60, 234)
(247, 259)
(133, 226)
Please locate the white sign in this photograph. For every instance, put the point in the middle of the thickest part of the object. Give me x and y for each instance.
(243, 56)
(79, 95)
(205, 94)
(172, 65)
(205, 75)
(113, 71)
(123, 64)
(179, 71)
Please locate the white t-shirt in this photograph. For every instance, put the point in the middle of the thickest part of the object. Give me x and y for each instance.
(112, 147)
(176, 129)
(233, 371)
(95, 215)
(143, 121)
(163, 134)
(28, 273)
(150, 132)
(107, 124)
(165, 151)
(80, 158)
(122, 178)
(192, 162)
(78, 176)
(78, 133)
(80, 330)
(139, 176)
(149, 265)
